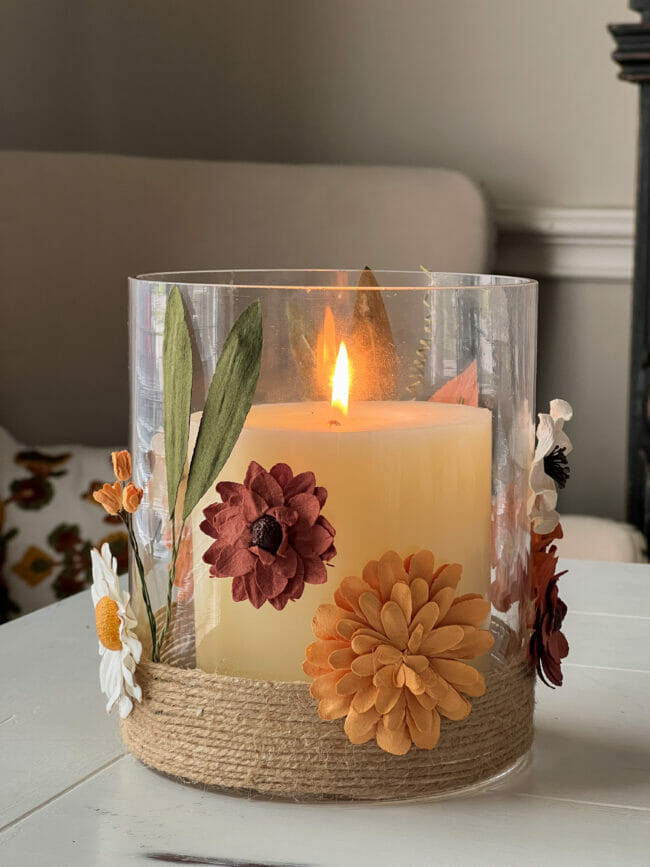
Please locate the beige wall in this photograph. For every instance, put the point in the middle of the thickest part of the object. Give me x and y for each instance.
(520, 94)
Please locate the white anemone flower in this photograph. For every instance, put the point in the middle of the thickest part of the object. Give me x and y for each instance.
(550, 468)
(119, 647)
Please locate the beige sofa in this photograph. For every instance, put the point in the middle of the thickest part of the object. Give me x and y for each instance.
(74, 226)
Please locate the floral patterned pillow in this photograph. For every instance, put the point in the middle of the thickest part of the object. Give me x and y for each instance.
(49, 522)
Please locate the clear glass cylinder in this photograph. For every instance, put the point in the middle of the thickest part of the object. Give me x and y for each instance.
(433, 451)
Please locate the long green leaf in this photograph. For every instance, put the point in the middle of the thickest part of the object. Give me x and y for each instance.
(229, 400)
(177, 392)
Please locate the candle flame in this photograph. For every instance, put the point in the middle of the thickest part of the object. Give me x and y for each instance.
(341, 381)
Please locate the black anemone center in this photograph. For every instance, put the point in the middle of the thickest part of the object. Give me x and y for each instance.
(556, 466)
(266, 533)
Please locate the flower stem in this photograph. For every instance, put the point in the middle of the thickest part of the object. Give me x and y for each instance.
(172, 577)
(128, 523)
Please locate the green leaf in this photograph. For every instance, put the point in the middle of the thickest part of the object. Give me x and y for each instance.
(177, 392)
(229, 400)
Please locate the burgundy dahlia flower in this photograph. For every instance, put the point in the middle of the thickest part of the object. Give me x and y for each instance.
(270, 536)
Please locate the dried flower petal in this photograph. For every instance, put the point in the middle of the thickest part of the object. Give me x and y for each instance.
(325, 620)
(270, 536)
(131, 497)
(548, 645)
(463, 388)
(121, 465)
(401, 665)
(110, 497)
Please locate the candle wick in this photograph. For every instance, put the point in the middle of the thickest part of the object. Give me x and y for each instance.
(333, 423)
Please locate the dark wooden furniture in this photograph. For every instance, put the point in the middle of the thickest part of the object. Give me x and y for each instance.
(633, 55)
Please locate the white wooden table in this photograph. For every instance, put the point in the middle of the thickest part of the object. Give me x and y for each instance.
(69, 795)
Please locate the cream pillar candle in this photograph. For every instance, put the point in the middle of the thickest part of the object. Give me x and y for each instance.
(400, 475)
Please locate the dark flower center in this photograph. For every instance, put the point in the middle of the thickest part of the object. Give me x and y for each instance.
(556, 466)
(266, 533)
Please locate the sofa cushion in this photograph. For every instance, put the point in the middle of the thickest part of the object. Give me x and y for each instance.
(49, 521)
(589, 538)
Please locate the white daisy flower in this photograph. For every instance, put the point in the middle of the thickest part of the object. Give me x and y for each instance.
(119, 647)
(550, 469)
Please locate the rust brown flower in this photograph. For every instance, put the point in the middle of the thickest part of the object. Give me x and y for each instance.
(270, 536)
(548, 645)
(110, 497)
(390, 652)
(131, 497)
(121, 465)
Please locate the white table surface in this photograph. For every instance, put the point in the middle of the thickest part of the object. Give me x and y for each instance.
(69, 795)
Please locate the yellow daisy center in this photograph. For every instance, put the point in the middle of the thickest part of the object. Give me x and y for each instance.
(108, 623)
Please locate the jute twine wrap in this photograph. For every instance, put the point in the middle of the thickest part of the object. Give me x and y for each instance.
(266, 738)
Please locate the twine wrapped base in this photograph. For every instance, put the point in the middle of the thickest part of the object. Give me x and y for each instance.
(266, 738)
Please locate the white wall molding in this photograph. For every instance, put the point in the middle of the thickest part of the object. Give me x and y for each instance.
(576, 243)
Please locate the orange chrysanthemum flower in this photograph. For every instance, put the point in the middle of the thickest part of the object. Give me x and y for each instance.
(110, 497)
(389, 653)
